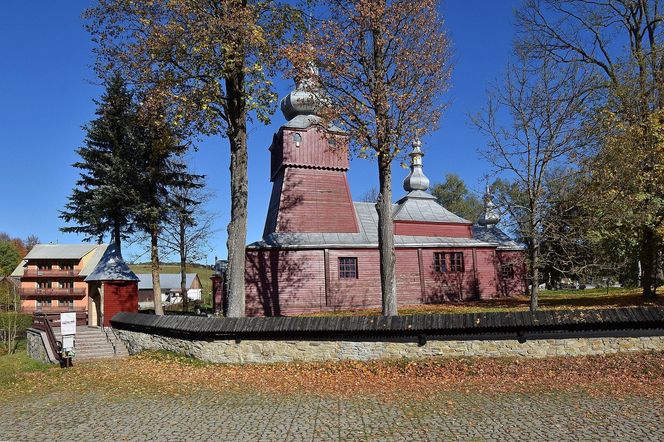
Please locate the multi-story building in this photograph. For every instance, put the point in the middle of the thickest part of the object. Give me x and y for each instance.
(52, 277)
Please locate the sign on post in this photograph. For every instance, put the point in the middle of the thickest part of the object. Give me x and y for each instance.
(67, 324)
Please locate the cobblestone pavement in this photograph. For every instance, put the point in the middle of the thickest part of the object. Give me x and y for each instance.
(444, 416)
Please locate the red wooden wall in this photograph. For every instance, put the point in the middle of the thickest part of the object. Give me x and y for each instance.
(315, 201)
(280, 282)
(119, 296)
(415, 228)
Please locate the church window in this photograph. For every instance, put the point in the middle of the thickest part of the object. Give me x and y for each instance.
(297, 139)
(439, 264)
(456, 262)
(348, 268)
(448, 262)
(507, 271)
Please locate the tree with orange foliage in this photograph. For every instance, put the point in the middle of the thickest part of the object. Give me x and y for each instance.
(383, 67)
(211, 64)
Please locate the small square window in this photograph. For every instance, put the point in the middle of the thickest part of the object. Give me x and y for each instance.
(348, 268)
(507, 271)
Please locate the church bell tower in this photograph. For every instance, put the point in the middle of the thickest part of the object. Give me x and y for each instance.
(310, 192)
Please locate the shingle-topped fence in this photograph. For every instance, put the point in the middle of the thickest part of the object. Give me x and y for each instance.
(639, 321)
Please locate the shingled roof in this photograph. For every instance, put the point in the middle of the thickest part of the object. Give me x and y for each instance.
(112, 267)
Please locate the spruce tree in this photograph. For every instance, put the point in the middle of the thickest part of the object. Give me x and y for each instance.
(106, 193)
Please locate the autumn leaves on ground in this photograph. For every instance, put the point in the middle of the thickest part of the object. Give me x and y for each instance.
(637, 374)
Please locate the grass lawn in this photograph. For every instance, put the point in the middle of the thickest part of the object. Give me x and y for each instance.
(204, 274)
(168, 374)
(14, 367)
(548, 300)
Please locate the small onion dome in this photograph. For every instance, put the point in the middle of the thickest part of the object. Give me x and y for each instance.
(303, 100)
(416, 180)
(490, 215)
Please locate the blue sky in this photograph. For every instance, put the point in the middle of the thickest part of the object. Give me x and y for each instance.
(47, 86)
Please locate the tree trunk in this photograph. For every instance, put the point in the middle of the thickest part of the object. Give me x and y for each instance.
(648, 258)
(154, 261)
(116, 238)
(388, 284)
(183, 267)
(534, 275)
(237, 228)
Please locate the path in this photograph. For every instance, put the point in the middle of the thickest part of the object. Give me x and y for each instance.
(444, 416)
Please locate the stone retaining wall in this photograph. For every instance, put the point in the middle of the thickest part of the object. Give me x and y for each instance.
(264, 351)
(36, 348)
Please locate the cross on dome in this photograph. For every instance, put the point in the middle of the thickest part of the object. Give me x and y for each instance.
(416, 180)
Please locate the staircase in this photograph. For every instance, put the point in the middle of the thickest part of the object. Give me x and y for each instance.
(94, 343)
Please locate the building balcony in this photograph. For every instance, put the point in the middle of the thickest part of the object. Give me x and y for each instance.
(53, 273)
(51, 293)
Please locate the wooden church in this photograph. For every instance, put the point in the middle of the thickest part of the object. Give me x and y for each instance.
(319, 250)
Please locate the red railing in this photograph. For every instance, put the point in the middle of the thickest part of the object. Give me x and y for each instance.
(49, 272)
(42, 322)
(53, 292)
(53, 316)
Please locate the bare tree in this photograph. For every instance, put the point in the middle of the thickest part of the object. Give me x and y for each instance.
(542, 130)
(370, 196)
(186, 231)
(383, 67)
(621, 41)
(10, 304)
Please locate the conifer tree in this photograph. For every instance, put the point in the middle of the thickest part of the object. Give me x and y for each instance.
(106, 193)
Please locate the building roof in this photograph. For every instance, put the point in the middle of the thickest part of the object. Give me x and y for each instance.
(491, 233)
(167, 281)
(20, 269)
(63, 251)
(60, 251)
(367, 218)
(111, 267)
(418, 205)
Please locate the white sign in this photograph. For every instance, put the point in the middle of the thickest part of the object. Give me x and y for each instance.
(67, 343)
(68, 323)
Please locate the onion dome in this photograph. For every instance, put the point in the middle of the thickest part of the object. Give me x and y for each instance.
(416, 180)
(490, 216)
(301, 106)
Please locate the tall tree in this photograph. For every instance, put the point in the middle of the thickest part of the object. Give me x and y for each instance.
(186, 230)
(383, 66)
(161, 171)
(105, 194)
(213, 61)
(9, 257)
(455, 197)
(621, 42)
(542, 131)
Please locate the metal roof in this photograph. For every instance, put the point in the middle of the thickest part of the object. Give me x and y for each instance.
(60, 251)
(94, 260)
(491, 233)
(167, 281)
(111, 267)
(422, 206)
(367, 218)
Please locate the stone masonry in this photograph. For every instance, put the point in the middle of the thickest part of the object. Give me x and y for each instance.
(270, 351)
